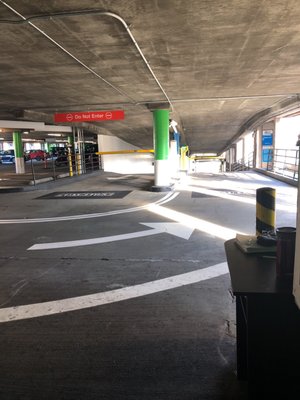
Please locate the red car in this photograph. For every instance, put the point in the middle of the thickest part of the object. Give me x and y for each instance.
(36, 155)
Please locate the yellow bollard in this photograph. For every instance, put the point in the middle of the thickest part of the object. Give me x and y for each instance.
(70, 163)
(78, 163)
(265, 210)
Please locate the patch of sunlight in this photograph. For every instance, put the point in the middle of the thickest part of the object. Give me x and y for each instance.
(239, 198)
(195, 223)
(226, 184)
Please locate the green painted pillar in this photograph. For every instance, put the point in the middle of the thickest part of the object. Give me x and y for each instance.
(19, 153)
(161, 130)
(71, 143)
(161, 149)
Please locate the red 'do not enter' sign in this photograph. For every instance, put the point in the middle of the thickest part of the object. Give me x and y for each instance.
(106, 115)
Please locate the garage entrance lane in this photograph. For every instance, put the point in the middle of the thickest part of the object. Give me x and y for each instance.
(175, 344)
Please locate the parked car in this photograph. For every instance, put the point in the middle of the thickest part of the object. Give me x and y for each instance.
(88, 158)
(61, 160)
(7, 157)
(35, 155)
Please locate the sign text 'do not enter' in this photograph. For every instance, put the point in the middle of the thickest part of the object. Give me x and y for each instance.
(87, 116)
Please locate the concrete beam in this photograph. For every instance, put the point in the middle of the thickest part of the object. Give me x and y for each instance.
(35, 126)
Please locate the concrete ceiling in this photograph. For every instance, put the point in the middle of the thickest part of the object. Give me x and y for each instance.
(222, 67)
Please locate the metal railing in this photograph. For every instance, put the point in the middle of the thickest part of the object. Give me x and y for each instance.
(50, 168)
(244, 164)
(283, 162)
(70, 164)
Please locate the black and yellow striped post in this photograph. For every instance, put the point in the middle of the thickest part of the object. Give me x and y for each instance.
(265, 209)
(70, 162)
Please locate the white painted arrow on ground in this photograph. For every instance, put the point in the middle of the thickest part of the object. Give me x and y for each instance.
(173, 228)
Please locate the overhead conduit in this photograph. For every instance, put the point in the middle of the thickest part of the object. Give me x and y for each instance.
(29, 20)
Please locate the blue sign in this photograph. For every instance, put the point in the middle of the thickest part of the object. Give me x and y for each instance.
(267, 155)
(267, 139)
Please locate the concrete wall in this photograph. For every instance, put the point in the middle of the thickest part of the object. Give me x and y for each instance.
(212, 166)
(136, 163)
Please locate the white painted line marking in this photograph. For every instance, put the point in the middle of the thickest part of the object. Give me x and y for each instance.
(98, 299)
(169, 197)
(173, 228)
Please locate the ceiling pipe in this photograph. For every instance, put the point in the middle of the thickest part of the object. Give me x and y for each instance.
(24, 20)
(86, 12)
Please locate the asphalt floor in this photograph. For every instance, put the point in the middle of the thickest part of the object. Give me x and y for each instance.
(109, 290)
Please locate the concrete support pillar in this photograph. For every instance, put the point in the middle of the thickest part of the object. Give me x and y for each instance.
(19, 153)
(296, 277)
(255, 149)
(174, 159)
(177, 139)
(71, 142)
(161, 150)
(231, 158)
(243, 150)
(259, 147)
(240, 151)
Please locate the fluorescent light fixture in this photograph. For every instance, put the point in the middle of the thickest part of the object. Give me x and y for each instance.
(54, 134)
